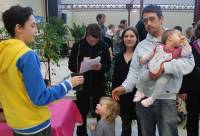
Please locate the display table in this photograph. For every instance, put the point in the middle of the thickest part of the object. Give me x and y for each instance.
(65, 115)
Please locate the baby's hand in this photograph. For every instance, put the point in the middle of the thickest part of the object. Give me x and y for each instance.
(141, 61)
(76, 80)
(92, 126)
(184, 41)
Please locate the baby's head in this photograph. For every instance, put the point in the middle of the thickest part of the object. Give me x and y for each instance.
(107, 108)
(172, 37)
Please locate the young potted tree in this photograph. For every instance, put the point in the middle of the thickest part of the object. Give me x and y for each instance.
(49, 41)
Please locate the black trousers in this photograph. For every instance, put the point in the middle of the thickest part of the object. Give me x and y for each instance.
(193, 111)
(127, 125)
(83, 103)
(45, 132)
(128, 114)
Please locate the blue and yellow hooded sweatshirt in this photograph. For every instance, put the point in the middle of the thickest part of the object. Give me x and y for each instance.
(23, 93)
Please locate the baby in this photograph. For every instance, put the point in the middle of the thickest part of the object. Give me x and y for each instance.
(108, 109)
(173, 46)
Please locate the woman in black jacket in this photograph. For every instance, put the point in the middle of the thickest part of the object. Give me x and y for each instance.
(122, 62)
(94, 80)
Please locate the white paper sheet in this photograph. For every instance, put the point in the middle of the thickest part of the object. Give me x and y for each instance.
(86, 65)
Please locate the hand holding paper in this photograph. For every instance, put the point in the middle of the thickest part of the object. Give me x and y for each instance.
(90, 64)
(96, 66)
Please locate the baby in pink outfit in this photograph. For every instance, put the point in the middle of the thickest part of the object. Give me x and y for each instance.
(174, 46)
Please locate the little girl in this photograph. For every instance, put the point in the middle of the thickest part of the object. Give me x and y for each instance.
(173, 46)
(108, 109)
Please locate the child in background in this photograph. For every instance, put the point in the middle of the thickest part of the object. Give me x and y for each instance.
(110, 31)
(173, 46)
(108, 109)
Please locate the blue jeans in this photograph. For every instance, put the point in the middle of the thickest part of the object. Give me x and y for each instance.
(162, 113)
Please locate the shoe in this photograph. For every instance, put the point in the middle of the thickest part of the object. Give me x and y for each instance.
(138, 96)
(147, 102)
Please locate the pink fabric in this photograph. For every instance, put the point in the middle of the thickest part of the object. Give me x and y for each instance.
(65, 115)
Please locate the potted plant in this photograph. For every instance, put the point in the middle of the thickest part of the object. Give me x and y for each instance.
(77, 31)
(3, 33)
(49, 40)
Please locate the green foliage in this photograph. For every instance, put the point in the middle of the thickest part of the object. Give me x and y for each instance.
(51, 35)
(3, 33)
(77, 31)
(109, 76)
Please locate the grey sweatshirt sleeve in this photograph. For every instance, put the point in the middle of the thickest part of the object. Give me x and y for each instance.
(133, 73)
(179, 67)
(98, 131)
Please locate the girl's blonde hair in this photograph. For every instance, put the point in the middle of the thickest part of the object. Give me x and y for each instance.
(112, 107)
(166, 35)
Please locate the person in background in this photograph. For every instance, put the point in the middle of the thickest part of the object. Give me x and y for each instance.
(23, 93)
(124, 25)
(162, 113)
(179, 28)
(94, 84)
(141, 30)
(101, 18)
(118, 37)
(121, 67)
(107, 109)
(190, 91)
(109, 39)
(110, 31)
(189, 34)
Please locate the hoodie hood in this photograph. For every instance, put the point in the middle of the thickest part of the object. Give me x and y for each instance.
(153, 39)
(8, 51)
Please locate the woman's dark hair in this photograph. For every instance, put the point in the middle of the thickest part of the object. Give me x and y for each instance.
(197, 30)
(134, 30)
(16, 15)
(93, 30)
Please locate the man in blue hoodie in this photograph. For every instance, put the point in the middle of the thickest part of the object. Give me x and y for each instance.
(23, 93)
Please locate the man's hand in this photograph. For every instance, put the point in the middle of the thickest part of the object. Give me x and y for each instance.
(117, 92)
(157, 75)
(76, 80)
(96, 66)
(184, 41)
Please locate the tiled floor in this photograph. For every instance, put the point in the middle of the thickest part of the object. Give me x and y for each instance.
(182, 132)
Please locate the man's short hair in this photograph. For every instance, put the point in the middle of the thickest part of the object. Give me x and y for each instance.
(99, 16)
(123, 21)
(94, 30)
(178, 28)
(16, 15)
(153, 8)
